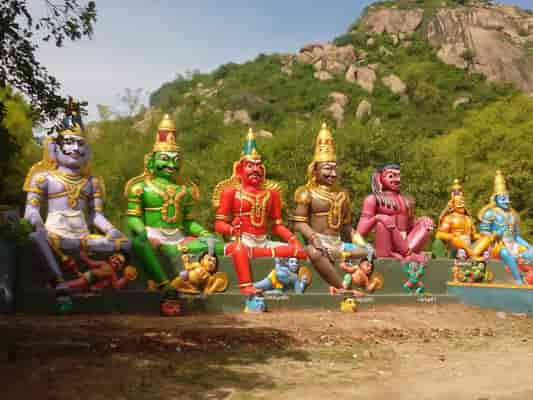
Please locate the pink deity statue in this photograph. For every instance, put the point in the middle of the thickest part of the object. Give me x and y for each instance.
(391, 214)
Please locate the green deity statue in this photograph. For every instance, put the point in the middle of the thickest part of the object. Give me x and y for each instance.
(161, 213)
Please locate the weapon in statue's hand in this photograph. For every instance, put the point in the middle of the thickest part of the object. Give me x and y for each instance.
(239, 237)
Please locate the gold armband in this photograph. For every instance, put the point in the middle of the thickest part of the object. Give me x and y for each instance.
(134, 213)
(299, 218)
(221, 217)
(34, 189)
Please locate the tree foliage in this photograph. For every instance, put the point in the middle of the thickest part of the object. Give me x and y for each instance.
(21, 72)
(19, 34)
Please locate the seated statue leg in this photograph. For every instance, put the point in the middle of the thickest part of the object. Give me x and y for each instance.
(324, 267)
(41, 244)
(199, 246)
(278, 251)
(146, 255)
(383, 241)
(103, 245)
(240, 255)
(264, 284)
(527, 256)
(510, 261)
(479, 247)
(419, 234)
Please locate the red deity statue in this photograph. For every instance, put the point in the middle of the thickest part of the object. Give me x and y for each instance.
(246, 205)
(392, 215)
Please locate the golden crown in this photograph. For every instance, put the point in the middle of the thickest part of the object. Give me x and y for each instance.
(166, 136)
(499, 184)
(325, 145)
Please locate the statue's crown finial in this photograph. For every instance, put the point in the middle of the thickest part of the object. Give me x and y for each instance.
(167, 124)
(499, 184)
(166, 136)
(456, 188)
(249, 150)
(72, 123)
(325, 145)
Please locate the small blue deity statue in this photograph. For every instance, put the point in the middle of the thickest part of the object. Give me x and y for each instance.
(287, 274)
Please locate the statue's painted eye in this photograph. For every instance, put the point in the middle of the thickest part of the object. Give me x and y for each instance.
(163, 157)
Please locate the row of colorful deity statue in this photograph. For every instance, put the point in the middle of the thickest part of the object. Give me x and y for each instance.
(162, 221)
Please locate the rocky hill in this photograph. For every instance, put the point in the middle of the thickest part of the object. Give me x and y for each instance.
(441, 87)
(494, 40)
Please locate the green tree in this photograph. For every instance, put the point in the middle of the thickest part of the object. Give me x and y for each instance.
(19, 66)
(21, 72)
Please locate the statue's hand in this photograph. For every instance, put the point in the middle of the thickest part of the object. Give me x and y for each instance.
(387, 220)
(295, 242)
(41, 229)
(154, 242)
(499, 231)
(130, 273)
(114, 233)
(236, 227)
(316, 243)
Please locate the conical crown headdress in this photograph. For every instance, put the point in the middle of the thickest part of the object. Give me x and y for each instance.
(456, 188)
(325, 145)
(166, 136)
(72, 123)
(499, 184)
(249, 150)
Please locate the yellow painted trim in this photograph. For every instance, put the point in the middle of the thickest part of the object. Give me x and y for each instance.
(491, 285)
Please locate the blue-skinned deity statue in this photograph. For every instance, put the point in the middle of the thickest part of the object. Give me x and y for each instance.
(287, 274)
(499, 220)
(74, 199)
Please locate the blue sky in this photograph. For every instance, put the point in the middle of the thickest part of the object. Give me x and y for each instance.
(142, 44)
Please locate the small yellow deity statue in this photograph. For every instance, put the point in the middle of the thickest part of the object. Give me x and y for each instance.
(201, 276)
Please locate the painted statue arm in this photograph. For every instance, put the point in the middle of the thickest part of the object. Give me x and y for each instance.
(519, 239)
(191, 226)
(223, 213)
(475, 233)
(301, 221)
(368, 216)
(91, 264)
(348, 268)
(135, 211)
(278, 228)
(443, 232)
(36, 190)
(96, 209)
(485, 224)
(347, 230)
(302, 198)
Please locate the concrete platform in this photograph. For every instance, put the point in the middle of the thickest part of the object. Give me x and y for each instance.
(136, 299)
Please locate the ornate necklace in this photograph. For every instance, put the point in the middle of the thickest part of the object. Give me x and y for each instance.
(336, 201)
(171, 197)
(259, 205)
(73, 185)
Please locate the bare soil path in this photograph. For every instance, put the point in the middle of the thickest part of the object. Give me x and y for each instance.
(387, 352)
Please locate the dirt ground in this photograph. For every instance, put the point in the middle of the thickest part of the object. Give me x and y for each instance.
(387, 352)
